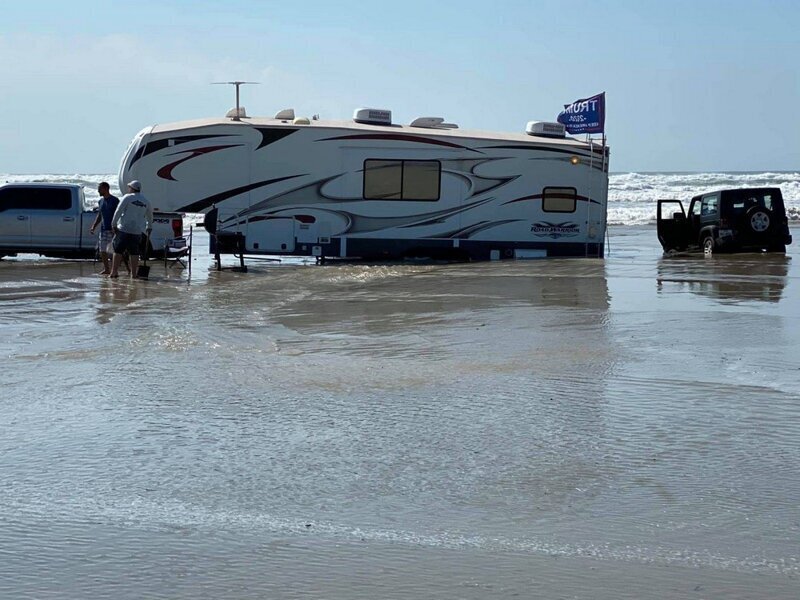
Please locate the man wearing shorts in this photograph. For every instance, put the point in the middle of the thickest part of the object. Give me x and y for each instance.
(133, 216)
(107, 206)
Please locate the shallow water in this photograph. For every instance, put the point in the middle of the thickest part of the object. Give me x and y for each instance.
(625, 428)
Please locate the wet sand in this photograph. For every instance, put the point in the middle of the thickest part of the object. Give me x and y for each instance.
(624, 428)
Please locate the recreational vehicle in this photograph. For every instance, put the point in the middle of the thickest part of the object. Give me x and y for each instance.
(372, 188)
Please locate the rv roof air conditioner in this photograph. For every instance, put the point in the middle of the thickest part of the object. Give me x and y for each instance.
(236, 113)
(432, 123)
(372, 116)
(287, 114)
(546, 129)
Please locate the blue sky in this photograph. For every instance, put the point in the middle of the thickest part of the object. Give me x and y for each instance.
(691, 86)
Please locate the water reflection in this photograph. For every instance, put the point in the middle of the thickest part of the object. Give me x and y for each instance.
(728, 279)
(115, 295)
(392, 298)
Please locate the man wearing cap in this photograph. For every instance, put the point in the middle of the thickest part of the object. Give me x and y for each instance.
(107, 206)
(133, 216)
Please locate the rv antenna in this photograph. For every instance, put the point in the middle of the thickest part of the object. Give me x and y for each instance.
(236, 116)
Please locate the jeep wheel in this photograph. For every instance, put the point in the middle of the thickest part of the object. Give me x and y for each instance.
(777, 248)
(708, 245)
(759, 220)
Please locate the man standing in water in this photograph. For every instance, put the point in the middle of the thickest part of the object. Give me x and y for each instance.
(107, 206)
(133, 216)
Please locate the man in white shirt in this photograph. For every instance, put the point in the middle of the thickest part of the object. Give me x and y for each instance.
(133, 216)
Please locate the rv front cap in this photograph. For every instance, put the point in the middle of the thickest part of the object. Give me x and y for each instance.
(135, 186)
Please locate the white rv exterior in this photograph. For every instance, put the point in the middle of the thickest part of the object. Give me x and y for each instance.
(369, 188)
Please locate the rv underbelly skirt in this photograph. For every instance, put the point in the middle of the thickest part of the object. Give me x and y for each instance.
(371, 248)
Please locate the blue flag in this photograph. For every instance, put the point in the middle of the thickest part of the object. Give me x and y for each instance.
(587, 115)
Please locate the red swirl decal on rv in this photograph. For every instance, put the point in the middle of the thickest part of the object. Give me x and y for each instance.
(165, 172)
(400, 137)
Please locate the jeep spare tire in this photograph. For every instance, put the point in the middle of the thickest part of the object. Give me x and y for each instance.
(759, 219)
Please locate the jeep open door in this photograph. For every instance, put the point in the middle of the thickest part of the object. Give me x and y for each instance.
(672, 226)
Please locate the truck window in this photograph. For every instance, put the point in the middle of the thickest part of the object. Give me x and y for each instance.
(742, 201)
(21, 198)
(710, 205)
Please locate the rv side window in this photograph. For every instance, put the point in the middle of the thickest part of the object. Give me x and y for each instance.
(35, 199)
(421, 179)
(383, 179)
(402, 179)
(559, 199)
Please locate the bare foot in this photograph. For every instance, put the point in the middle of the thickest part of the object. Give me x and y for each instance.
(105, 272)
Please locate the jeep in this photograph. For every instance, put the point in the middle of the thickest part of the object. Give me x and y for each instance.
(746, 219)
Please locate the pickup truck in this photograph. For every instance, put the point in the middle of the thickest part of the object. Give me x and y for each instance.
(51, 219)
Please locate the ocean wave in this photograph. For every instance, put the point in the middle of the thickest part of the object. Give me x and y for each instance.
(632, 196)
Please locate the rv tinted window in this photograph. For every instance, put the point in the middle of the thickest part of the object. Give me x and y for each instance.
(421, 179)
(557, 199)
(383, 179)
(21, 198)
(402, 179)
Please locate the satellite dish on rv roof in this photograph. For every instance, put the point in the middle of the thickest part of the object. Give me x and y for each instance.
(236, 113)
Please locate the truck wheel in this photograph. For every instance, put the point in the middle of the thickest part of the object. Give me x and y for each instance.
(759, 220)
(708, 245)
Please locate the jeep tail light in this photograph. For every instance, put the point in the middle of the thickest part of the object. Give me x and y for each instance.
(177, 227)
(723, 222)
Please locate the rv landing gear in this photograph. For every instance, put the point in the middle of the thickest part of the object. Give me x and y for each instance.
(242, 268)
(230, 244)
